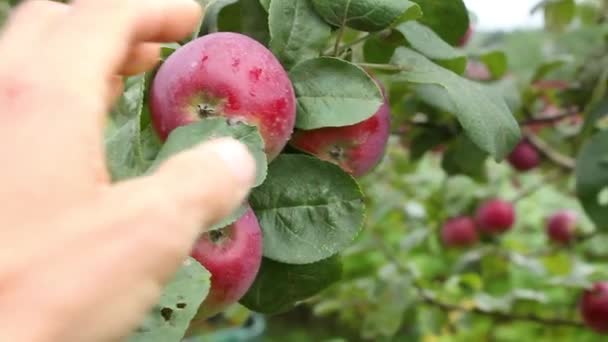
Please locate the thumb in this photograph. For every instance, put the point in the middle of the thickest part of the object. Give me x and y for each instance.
(193, 189)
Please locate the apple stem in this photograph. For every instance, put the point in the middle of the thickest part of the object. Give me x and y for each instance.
(550, 119)
(385, 67)
(216, 235)
(346, 46)
(205, 110)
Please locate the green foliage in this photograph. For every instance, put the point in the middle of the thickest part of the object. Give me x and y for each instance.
(178, 304)
(395, 279)
(186, 137)
(125, 155)
(592, 178)
(310, 217)
(279, 286)
(333, 92)
(485, 117)
(366, 15)
(449, 19)
(425, 41)
(297, 32)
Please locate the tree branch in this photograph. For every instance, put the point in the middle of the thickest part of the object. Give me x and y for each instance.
(346, 46)
(561, 160)
(549, 119)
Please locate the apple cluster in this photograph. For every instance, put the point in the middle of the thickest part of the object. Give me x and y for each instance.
(495, 217)
(233, 76)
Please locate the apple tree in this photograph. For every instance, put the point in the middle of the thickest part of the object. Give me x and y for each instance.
(416, 180)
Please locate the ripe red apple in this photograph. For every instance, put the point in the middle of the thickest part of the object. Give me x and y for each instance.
(225, 74)
(459, 232)
(524, 157)
(561, 226)
(594, 307)
(495, 216)
(232, 256)
(357, 148)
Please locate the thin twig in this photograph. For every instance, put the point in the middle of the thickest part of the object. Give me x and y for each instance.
(559, 159)
(348, 45)
(386, 67)
(549, 119)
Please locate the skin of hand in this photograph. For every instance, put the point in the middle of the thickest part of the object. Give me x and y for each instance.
(83, 259)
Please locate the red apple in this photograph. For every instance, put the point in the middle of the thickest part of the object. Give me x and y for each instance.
(232, 255)
(561, 226)
(477, 71)
(225, 74)
(495, 216)
(594, 307)
(524, 157)
(459, 232)
(357, 148)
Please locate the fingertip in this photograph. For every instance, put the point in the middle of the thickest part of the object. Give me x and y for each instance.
(236, 157)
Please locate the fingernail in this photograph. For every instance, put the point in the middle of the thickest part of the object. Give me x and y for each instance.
(238, 159)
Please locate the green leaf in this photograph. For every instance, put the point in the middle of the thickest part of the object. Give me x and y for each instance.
(426, 140)
(559, 14)
(186, 137)
(449, 19)
(167, 49)
(247, 17)
(183, 138)
(265, 4)
(366, 15)
(309, 210)
(379, 48)
(485, 117)
(279, 287)
(424, 40)
(464, 158)
(297, 32)
(496, 62)
(592, 179)
(548, 66)
(124, 155)
(597, 117)
(180, 301)
(333, 92)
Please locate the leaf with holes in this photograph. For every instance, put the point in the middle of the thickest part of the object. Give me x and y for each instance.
(333, 93)
(366, 15)
(592, 178)
(178, 304)
(308, 209)
(296, 30)
(483, 114)
(278, 287)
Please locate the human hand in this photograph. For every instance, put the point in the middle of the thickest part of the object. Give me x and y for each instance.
(83, 260)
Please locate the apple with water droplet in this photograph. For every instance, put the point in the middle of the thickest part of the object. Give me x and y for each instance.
(225, 74)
